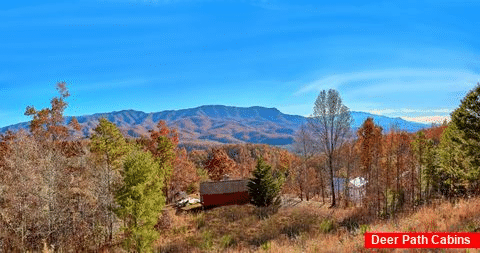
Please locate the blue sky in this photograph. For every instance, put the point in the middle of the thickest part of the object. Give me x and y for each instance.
(402, 58)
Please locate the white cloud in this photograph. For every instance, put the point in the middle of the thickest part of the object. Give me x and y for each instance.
(408, 110)
(428, 119)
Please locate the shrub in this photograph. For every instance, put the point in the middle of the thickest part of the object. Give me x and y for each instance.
(234, 213)
(192, 188)
(207, 238)
(265, 212)
(266, 245)
(200, 220)
(350, 224)
(227, 241)
(327, 226)
(364, 228)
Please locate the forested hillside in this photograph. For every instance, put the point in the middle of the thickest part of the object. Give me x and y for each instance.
(205, 126)
(62, 191)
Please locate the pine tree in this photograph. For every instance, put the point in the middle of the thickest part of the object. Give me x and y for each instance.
(423, 150)
(459, 150)
(141, 200)
(264, 188)
(453, 163)
(109, 147)
(467, 120)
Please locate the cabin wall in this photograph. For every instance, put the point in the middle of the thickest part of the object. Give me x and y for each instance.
(230, 192)
(237, 198)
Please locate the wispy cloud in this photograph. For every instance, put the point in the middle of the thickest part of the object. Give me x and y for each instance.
(428, 119)
(392, 80)
(407, 110)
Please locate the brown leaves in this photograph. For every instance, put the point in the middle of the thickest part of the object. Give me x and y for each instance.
(219, 164)
(184, 172)
(47, 123)
(369, 143)
(74, 124)
(163, 130)
(435, 133)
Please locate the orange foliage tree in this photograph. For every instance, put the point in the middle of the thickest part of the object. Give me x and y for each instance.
(219, 164)
(47, 123)
(370, 148)
(178, 170)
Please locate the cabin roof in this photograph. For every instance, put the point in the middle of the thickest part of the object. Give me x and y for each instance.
(222, 187)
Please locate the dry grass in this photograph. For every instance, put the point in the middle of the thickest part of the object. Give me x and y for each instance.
(306, 228)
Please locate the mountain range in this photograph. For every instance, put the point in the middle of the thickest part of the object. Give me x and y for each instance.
(217, 124)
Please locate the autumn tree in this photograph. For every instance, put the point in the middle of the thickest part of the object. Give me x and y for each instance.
(4, 146)
(241, 155)
(184, 176)
(304, 146)
(46, 195)
(330, 123)
(435, 133)
(20, 200)
(48, 123)
(162, 143)
(370, 148)
(48, 128)
(76, 128)
(349, 163)
(219, 164)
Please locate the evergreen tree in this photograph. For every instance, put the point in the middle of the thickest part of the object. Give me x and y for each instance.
(108, 142)
(424, 152)
(459, 151)
(453, 163)
(264, 188)
(467, 120)
(109, 146)
(141, 200)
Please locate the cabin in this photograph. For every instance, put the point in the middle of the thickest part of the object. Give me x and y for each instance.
(225, 192)
(356, 188)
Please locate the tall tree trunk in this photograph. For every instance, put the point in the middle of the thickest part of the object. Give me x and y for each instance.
(387, 170)
(347, 182)
(330, 165)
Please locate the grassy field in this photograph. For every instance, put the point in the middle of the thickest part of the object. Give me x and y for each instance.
(306, 227)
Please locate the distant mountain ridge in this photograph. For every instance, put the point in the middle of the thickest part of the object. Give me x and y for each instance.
(217, 124)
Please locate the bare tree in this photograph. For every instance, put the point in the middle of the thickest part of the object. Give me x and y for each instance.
(330, 123)
(305, 148)
(349, 155)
